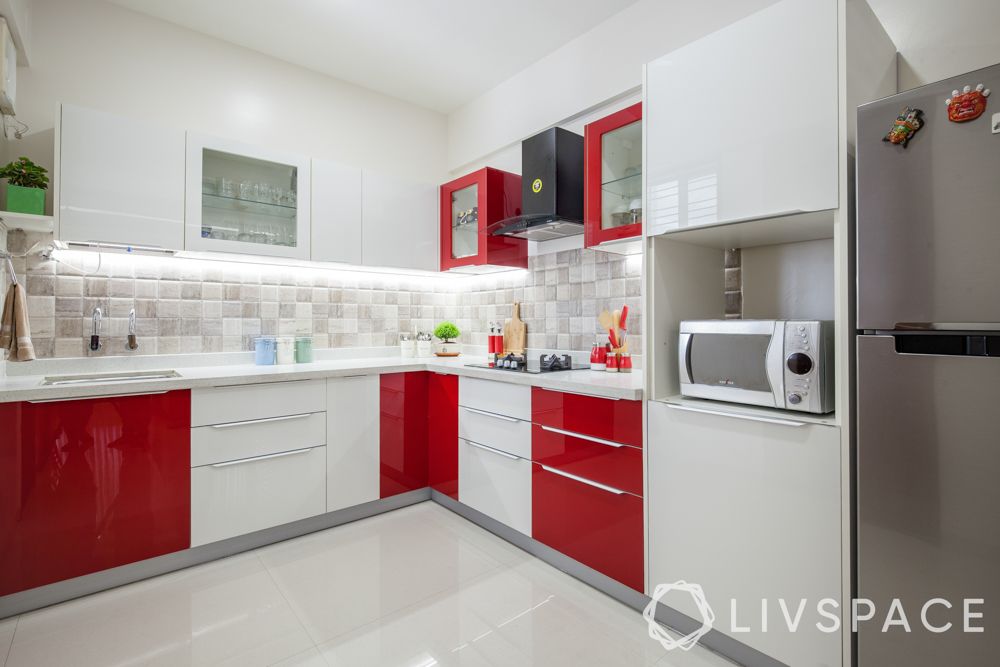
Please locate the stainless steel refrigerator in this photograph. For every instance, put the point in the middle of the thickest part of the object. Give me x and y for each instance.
(928, 374)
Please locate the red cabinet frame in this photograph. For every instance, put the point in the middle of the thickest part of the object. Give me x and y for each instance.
(498, 197)
(593, 133)
(403, 451)
(442, 433)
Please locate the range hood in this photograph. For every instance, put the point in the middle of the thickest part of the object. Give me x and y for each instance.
(551, 188)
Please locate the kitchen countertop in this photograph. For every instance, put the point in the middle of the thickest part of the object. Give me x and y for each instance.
(595, 383)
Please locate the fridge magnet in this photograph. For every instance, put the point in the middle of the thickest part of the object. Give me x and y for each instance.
(995, 123)
(968, 104)
(905, 126)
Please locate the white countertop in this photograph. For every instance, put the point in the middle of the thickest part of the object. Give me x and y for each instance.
(17, 387)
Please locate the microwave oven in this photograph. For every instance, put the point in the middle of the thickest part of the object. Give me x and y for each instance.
(785, 364)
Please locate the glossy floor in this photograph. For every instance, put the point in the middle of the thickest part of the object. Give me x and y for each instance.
(412, 588)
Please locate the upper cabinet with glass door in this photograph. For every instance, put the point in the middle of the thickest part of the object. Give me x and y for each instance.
(246, 199)
(468, 206)
(613, 181)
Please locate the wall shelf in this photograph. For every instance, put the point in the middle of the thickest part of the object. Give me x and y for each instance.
(27, 221)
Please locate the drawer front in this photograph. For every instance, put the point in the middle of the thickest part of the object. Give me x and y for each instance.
(495, 483)
(602, 530)
(222, 405)
(502, 398)
(240, 497)
(619, 466)
(498, 431)
(242, 440)
(616, 420)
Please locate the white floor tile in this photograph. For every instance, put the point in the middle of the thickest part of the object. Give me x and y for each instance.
(226, 612)
(6, 637)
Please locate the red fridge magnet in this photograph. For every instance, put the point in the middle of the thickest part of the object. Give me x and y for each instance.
(968, 104)
(905, 126)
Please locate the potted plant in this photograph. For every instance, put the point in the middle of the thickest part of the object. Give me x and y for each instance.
(26, 184)
(446, 331)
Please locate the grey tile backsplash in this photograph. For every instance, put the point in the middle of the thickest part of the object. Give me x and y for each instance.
(189, 306)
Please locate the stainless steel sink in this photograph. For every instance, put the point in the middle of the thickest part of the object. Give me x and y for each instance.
(128, 376)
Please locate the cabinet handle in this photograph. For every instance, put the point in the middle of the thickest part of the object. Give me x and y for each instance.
(578, 393)
(582, 480)
(735, 415)
(94, 398)
(262, 421)
(348, 377)
(490, 414)
(581, 436)
(490, 449)
(261, 458)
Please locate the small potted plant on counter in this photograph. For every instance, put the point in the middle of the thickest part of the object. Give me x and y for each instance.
(446, 331)
(26, 184)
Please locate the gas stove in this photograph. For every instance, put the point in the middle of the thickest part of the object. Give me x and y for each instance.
(545, 363)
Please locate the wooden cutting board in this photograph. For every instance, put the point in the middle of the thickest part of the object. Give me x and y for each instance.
(515, 333)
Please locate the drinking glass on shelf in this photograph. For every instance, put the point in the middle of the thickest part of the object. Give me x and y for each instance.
(210, 185)
(226, 187)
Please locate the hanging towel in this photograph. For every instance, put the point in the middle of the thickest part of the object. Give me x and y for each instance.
(15, 334)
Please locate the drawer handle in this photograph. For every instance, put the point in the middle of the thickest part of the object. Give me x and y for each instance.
(490, 414)
(578, 393)
(262, 421)
(736, 415)
(94, 398)
(261, 458)
(582, 480)
(495, 451)
(581, 436)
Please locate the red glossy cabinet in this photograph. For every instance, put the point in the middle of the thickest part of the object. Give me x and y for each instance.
(442, 433)
(403, 432)
(91, 484)
(469, 205)
(612, 174)
(619, 421)
(618, 466)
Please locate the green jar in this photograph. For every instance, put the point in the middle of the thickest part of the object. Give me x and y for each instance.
(303, 350)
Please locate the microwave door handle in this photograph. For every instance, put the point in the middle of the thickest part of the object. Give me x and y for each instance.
(684, 358)
(775, 364)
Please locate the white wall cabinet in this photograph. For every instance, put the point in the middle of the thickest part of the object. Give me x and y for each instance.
(496, 483)
(743, 124)
(336, 212)
(400, 222)
(120, 180)
(352, 460)
(749, 510)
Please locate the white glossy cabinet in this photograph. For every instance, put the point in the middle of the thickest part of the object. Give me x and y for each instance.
(749, 510)
(496, 483)
(502, 398)
(352, 458)
(743, 124)
(336, 212)
(400, 222)
(255, 437)
(246, 199)
(495, 430)
(120, 180)
(237, 403)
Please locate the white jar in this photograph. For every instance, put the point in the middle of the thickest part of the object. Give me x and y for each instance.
(285, 350)
(424, 348)
(407, 348)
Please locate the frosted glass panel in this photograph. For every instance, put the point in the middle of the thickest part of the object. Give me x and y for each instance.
(465, 222)
(621, 176)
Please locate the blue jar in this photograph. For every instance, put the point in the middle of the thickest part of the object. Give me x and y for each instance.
(263, 350)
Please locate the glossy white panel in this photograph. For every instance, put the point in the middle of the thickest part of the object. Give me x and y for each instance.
(143, 204)
(352, 452)
(237, 403)
(496, 484)
(336, 212)
(400, 222)
(749, 510)
(239, 497)
(498, 431)
(500, 398)
(743, 123)
(241, 440)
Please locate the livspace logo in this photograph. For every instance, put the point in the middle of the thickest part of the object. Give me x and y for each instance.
(933, 616)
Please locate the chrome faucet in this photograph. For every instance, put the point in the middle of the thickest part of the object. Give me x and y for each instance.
(95, 337)
(131, 343)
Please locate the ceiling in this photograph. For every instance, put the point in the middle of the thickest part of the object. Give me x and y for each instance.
(438, 54)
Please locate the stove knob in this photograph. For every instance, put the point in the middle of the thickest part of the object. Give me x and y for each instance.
(794, 398)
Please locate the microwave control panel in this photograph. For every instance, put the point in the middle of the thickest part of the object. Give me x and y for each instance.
(808, 366)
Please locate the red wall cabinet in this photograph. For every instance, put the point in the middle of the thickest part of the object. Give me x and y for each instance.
(442, 433)
(403, 422)
(612, 173)
(91, 484)
(468, 206)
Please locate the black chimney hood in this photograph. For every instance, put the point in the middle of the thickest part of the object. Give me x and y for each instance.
(551, 188)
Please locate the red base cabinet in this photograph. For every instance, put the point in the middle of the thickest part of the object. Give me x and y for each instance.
(91, 484)
(403, 452)
(617, 421)
(469, 205)
(442, 433)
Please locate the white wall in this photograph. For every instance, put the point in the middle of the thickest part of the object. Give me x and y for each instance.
(101, 56)
(588, 72)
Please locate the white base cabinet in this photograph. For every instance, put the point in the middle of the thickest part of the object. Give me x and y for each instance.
(750, 511)
(496, 483)
(352, 457)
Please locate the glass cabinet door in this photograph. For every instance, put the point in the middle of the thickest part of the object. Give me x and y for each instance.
(613, 175)
(465, 222)
(246, 200)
